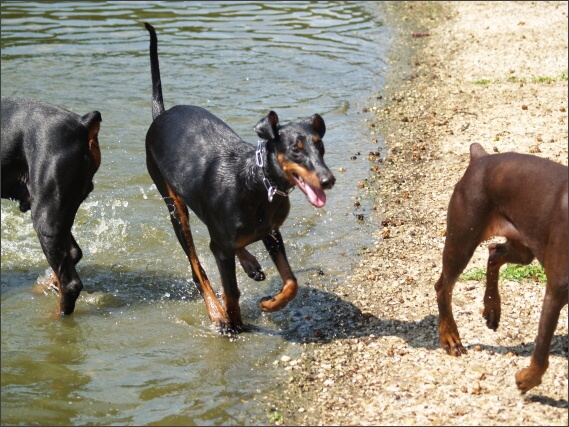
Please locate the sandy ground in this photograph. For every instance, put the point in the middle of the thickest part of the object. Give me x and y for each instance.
(487, 72)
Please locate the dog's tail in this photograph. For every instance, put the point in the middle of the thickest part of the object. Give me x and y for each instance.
(157, 100)
(477, 151)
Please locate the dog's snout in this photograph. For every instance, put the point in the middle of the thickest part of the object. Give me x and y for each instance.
(327, 181)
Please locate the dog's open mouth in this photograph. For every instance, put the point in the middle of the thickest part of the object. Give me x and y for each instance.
(315, 196)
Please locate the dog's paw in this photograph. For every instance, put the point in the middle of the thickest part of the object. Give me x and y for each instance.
(492, 318)
(226, 327)
(267, 304)
(257, 275)
(250, 265)
(457, 350)
(453, 346)
(279, 301)
(526, 379)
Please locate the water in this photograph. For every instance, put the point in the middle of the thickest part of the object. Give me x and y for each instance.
(139, 348)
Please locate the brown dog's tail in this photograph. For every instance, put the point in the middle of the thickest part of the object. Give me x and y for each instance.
(477, 151)
(157, 100)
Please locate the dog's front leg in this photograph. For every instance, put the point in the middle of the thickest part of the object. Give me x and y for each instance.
(250, 265)
(492, 302)
(274, 244)
(512, 252)
(231, 294)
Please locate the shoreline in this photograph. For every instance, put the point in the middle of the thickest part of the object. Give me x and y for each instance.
(488, 72)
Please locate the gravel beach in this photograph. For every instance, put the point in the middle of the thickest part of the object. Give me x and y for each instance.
(460, 72)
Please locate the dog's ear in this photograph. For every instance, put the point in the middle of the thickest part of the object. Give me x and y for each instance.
(476, 151)
(317, 123)
(268, 127)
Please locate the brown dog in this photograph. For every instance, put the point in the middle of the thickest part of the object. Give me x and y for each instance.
(523, 198)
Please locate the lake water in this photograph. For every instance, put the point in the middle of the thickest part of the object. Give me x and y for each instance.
(139, 348)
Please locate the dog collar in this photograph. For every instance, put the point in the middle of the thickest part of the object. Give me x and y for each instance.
(271, 190)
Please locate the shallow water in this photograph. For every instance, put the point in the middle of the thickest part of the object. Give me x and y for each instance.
(139, 348)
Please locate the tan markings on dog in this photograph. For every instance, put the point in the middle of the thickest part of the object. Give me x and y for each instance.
(233, 310)
(55, 282)
(94, 144)
(497, 225)
(279, 301)
(46, 284)
(243, 241)
(290, 167)
(215, 310)
(299, 144)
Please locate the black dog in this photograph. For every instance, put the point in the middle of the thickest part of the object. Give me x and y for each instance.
(523, 198)
(49, 158)
(240, 193)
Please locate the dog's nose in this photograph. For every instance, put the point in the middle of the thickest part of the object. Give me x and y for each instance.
(327, 181)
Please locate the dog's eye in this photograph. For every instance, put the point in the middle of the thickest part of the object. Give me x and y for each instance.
(318, 143)
(296, 149)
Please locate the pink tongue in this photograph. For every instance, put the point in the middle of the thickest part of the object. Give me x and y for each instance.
(315, 196)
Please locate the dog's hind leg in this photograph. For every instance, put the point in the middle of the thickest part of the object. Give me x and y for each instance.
(179, 215)
(180, 219)
(275, 246)
(460, 243)
(76, 254)
(59, 246)
(512, 252)
(555, 299)
(75, 250)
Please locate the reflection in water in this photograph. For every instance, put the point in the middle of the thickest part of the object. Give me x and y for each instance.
(42, 384)
(140, 348)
